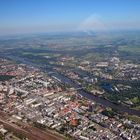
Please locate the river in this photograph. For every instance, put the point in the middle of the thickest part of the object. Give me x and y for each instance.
(105, 103)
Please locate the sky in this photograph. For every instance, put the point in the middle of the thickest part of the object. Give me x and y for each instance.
(28, 16)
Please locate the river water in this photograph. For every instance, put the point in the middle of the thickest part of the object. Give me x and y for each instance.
(105, 103)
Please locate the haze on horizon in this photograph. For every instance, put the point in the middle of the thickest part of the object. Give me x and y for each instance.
(30, 16)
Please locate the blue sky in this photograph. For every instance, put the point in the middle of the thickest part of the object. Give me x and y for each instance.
(21, 16)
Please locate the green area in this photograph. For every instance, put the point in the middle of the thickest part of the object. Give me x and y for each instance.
(40, 54)
(5, 77)
(93, 57)
(134, 118)
(130, 49)
(109, 112)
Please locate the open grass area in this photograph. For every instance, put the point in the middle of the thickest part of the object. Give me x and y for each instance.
(41, 54)
(136, 108)
(134, 118)
(130, 49)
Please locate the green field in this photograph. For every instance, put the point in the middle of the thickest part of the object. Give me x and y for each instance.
(130, 49)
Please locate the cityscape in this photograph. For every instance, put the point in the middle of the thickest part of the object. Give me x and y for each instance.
(76, 84)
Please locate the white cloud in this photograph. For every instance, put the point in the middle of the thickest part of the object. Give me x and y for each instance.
(95, 23)
(92, 23)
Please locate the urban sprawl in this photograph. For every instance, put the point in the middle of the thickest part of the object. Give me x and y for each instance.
(31, 100)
